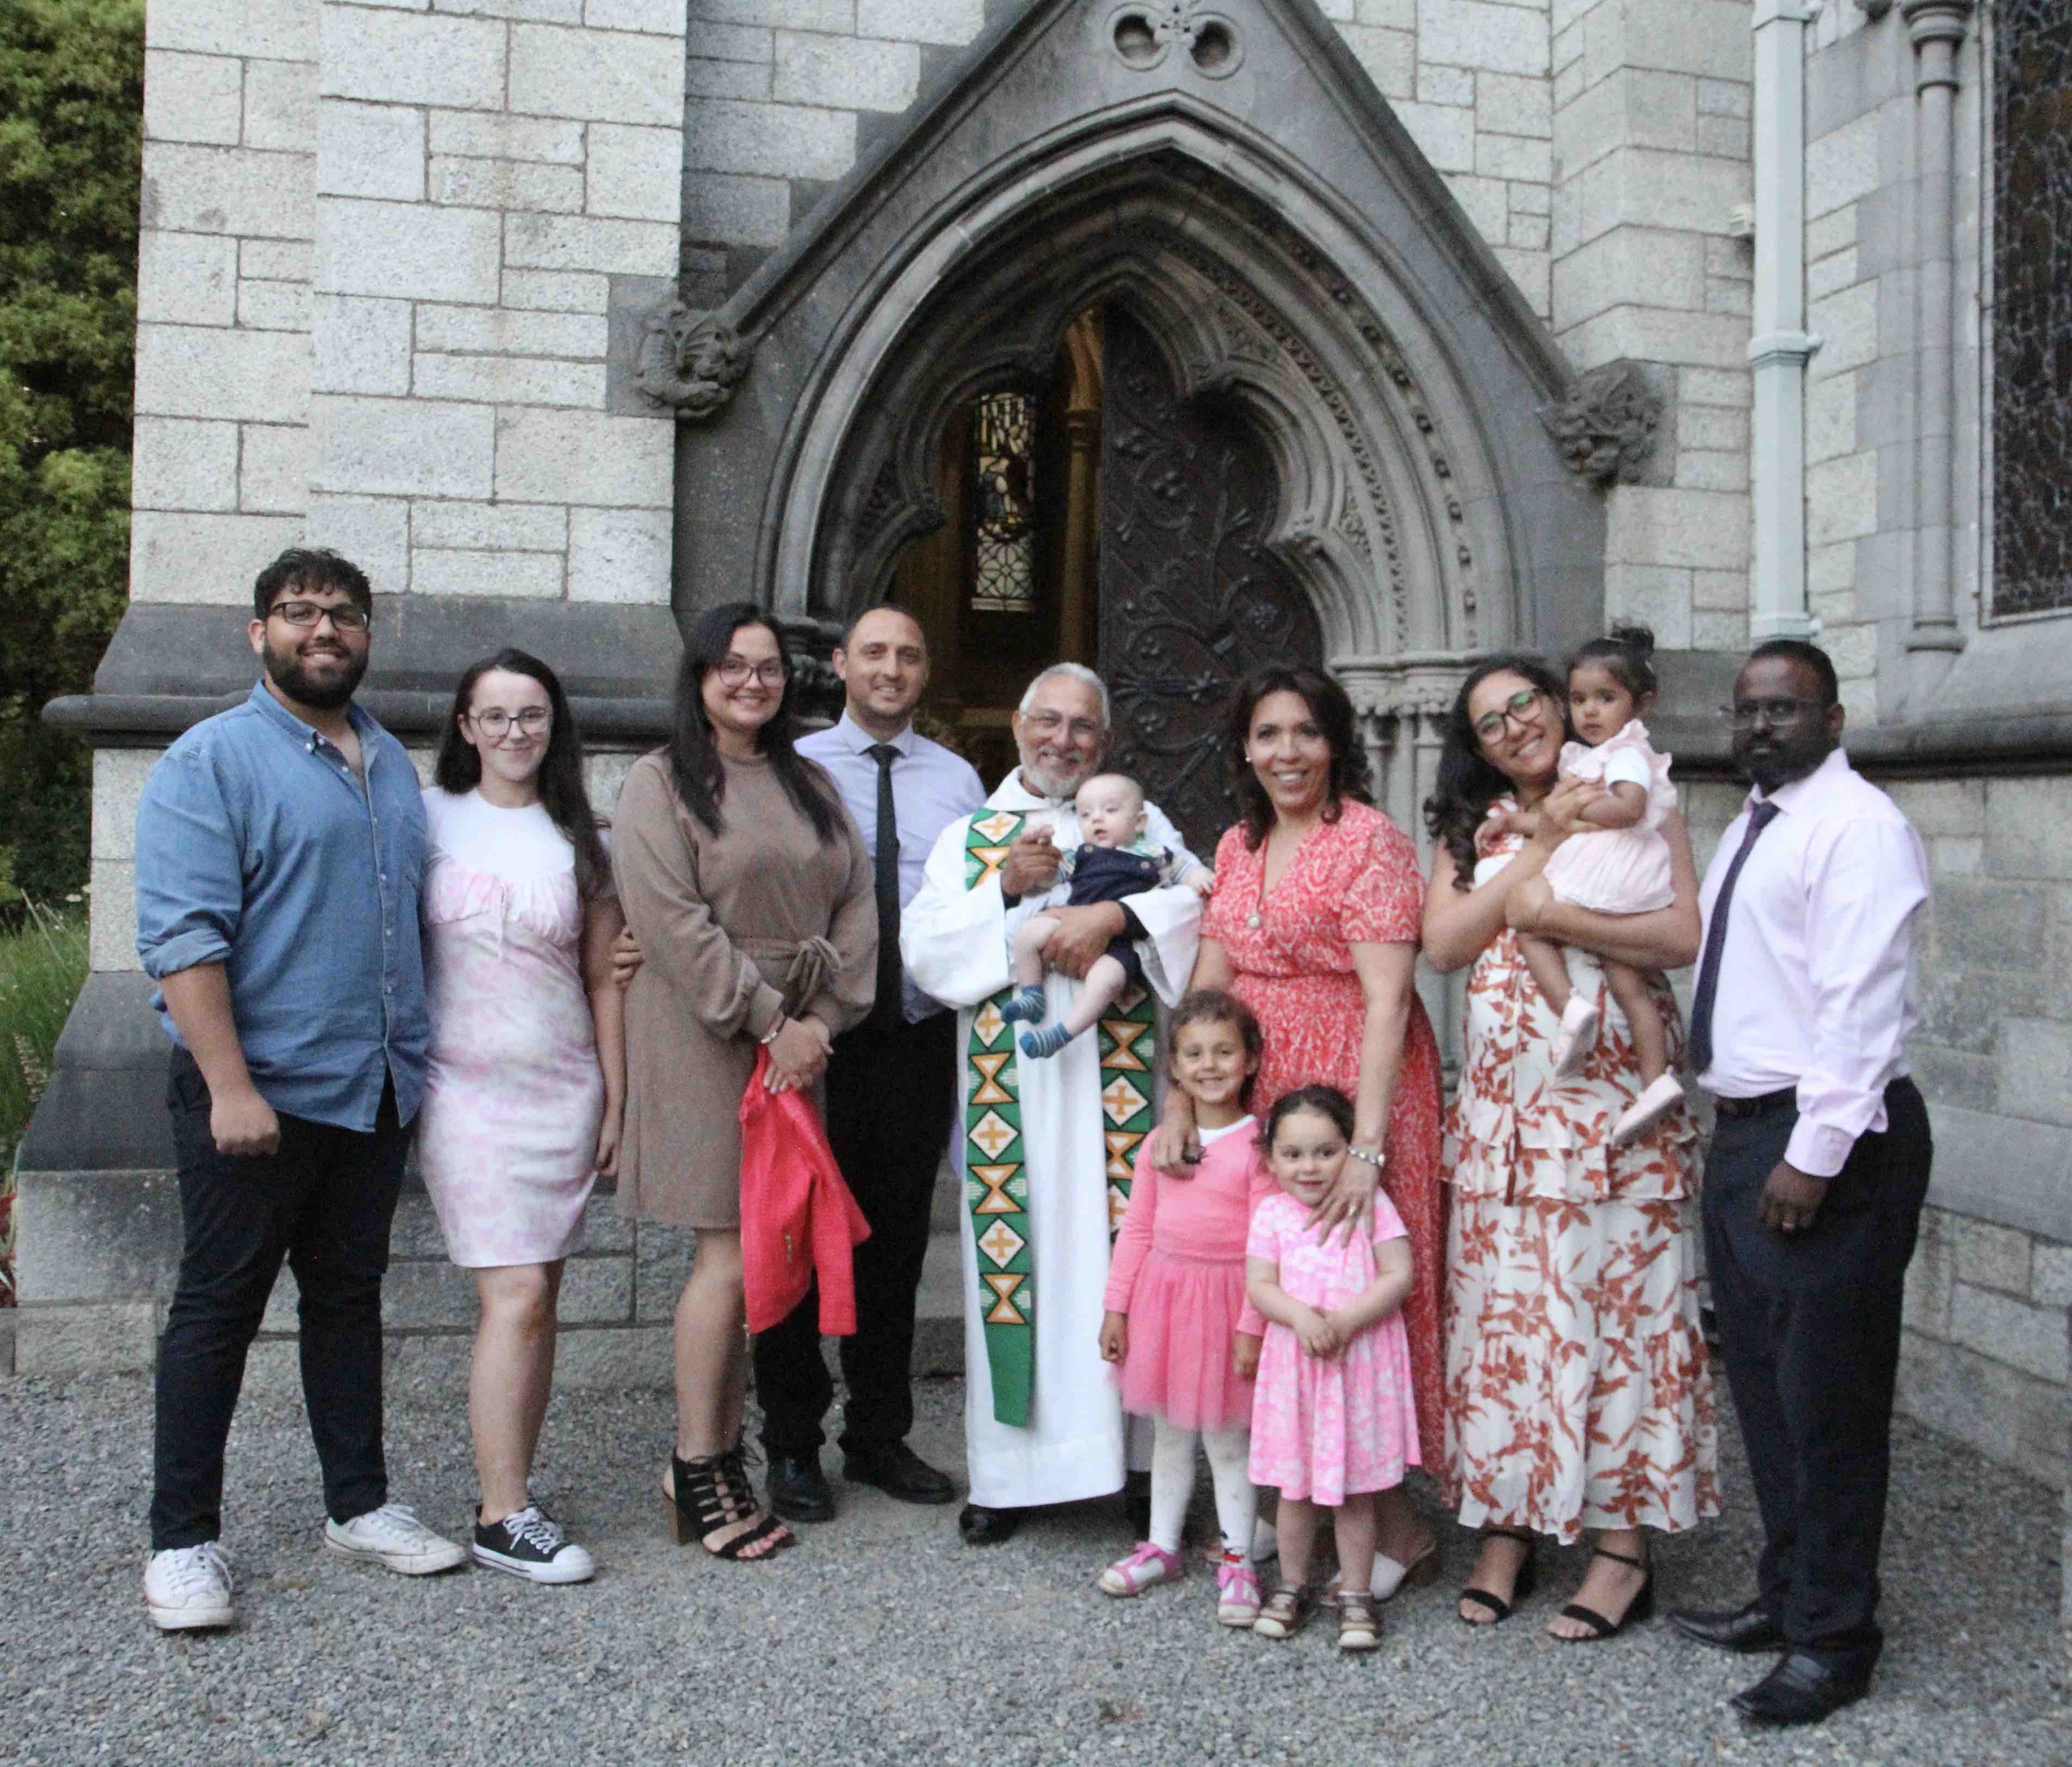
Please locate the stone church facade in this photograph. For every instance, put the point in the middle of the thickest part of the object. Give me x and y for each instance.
(1168, 334)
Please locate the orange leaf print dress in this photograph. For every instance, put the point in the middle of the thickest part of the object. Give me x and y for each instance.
(1351, 881)
(1577, 1391)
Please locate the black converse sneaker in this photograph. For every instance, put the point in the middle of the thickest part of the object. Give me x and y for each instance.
(531, 1544)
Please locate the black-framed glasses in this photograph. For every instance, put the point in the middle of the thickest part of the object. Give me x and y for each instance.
(1518, 709)
(734, 670)
(495, 721)
(1745, 713)
(345, 616)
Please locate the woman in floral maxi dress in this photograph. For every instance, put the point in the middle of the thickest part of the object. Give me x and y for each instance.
(1577, 1394)
(1314, 925)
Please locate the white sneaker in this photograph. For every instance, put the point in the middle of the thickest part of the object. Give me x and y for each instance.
(1577, 1039)
(531, 1544)
(393, 1535)
(188, 1586)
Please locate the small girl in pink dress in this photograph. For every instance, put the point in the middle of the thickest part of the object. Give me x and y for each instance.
(1176, 1316)
(1618, 864)
(1333, 1419)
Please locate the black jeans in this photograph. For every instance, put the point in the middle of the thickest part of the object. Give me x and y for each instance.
(324, 1202)
(891, 1098)
(1809, 1329)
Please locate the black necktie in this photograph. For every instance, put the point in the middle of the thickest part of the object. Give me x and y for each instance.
(1700, 1052)
(889, 1012)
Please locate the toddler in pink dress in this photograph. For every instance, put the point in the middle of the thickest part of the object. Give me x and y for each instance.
(1177, 1319)
(1617, 863)
(1334, 1420)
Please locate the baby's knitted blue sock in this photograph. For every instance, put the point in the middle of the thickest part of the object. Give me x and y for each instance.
(1028, 1004)
(1045, 1042)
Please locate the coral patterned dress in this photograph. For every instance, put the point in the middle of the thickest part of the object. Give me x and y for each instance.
(1578, 1394)
(1351, 881)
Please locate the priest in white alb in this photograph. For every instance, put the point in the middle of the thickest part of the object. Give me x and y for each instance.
(1045, 1147)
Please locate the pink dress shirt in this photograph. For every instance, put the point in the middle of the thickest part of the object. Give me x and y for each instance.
(1816, 986)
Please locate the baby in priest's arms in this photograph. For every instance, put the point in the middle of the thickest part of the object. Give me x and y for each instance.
(1115, 860)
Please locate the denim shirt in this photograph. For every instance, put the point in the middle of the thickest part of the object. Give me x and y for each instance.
(257, 848)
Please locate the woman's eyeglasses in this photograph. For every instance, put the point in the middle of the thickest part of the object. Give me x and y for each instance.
(1518, 709)
(495, 722)
(734, 670)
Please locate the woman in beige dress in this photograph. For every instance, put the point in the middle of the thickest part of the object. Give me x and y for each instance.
(750, 891)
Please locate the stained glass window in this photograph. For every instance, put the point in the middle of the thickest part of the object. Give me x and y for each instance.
(1004, 452)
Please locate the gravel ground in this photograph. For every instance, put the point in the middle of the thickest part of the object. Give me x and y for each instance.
(881, 1639)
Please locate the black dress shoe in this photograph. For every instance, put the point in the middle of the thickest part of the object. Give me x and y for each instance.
(1801, 1690)
(898, 1472)
(798, 1489)
(982, 1526)
(1750, 1628)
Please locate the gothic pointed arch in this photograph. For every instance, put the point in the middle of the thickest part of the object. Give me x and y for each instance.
(1230, 174)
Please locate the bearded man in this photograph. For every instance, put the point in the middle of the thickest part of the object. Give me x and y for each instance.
(1045, 1148)
(280, 846)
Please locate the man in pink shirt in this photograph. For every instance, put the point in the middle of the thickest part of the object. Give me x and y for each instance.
(1818, 1169)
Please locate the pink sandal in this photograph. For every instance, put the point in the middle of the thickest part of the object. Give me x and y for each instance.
(1145, 1566)
(1237, 1593)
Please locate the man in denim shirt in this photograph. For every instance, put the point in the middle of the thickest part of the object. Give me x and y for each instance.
(280, 847)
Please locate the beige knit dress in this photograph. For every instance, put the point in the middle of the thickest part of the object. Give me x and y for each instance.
(736, 927)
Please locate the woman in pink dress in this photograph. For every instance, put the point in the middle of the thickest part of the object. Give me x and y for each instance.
(1577, 1393)
(1314, 926)
(523, 1095)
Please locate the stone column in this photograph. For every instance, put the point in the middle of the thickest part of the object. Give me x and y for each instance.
(1936, 28)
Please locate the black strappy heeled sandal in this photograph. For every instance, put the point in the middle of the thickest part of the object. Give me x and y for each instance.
(711, 1493)
(1522, 1585)
(1641, 1607)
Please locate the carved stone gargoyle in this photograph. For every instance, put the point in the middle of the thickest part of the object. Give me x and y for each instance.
(689, 362)
(1607, 427)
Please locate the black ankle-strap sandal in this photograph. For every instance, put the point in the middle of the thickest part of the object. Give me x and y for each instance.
(1521, 1586)
(1639, 1608)
(712, 1493)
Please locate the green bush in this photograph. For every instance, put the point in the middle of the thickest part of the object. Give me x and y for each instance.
(71, 110)
(43, 968)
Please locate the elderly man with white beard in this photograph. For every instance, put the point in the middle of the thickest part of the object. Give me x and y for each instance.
(1046, 1148)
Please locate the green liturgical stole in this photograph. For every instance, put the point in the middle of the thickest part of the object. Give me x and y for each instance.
(997, 1187)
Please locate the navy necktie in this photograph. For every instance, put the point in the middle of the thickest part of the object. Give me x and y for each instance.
(1700, 1051)
(888, 1012)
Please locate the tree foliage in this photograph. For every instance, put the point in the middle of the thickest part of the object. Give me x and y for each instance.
(72, 80)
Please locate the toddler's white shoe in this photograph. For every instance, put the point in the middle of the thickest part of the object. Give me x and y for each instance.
(393, 1535)
(1657, 1100)
(1577, 1037)
(188, 1586)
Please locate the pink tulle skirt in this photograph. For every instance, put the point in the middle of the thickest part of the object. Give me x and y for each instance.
(1183, 1314)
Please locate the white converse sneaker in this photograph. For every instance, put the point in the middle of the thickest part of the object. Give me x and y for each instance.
(188, 1586)
(531, 1544)
(393, 1535)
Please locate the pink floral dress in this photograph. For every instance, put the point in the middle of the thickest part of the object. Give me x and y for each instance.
(507, 1135)
(1324, 1427)
(1351, 881)
(1577, 1391)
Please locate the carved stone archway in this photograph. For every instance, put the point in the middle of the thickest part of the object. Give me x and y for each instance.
(1258, 208)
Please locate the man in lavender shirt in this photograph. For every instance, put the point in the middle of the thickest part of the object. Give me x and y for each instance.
(891, 1096)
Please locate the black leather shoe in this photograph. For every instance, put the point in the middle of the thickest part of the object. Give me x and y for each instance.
(1801, 1690)
(898, 1472)
(798, 1489)
(982, 1526)
(1750, 1628)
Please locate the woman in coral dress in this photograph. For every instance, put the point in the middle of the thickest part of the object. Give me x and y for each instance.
(1314, 926)
(1576, 1387)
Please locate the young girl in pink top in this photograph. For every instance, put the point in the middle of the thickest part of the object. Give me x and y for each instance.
(1178, 1320)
